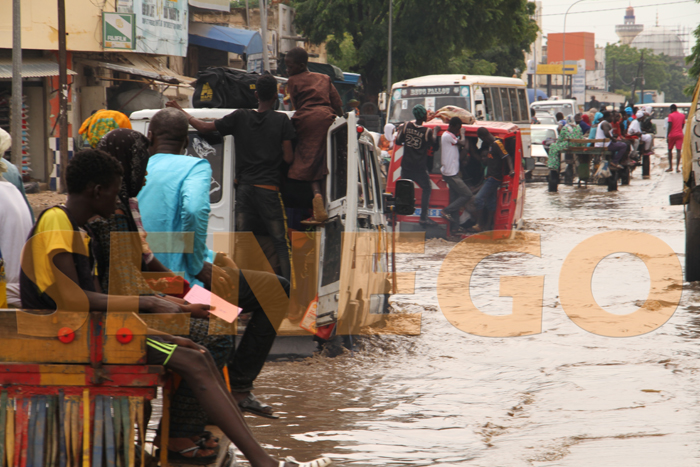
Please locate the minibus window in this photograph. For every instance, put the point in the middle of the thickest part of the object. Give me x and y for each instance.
(505, 102)
(339, 163)
(497, 112)
(522, 99)
(515, 112)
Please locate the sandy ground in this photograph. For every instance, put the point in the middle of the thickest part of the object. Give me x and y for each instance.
(45, 199)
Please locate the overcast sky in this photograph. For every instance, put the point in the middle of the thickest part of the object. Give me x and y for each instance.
(671, 13)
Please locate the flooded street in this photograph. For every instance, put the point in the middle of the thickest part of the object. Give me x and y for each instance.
(563, 397)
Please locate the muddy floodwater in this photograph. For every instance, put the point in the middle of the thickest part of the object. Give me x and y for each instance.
(563, 397)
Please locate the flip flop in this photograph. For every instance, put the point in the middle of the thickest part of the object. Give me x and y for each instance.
(254, 406)
(177, 456)
(292, 462)
(204, 437)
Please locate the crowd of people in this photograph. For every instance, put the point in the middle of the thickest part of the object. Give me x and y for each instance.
(629, 132)
(131, 184)
(472, 173)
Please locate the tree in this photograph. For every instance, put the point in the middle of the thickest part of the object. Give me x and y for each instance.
(694, 59)
(661, 72)
(428, 37)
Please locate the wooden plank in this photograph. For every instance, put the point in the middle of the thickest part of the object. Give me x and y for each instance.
(31, 432)
(10, 433)
(51, 432)
(109, 433)
(132, 433)
(165, 425)
(76, 431)
(141, 428)
(86, 428)
(98, 433)
(40, 430)
(133, 352)
(118, 438)
(126, 421)
(3, 417)
(63, 430)
(24, 433)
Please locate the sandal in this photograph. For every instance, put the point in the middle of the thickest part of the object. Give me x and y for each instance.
(204, 438)
(177, 456)
(253, 405)
(312, 221)
(292, 462)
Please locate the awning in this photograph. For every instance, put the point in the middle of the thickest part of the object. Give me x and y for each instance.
(31, 68)
(217, 5)
(141, 65)
(238, 41)
(351, 78)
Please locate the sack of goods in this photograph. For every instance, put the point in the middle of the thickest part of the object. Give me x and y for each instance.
(225, 88)
(449, 111)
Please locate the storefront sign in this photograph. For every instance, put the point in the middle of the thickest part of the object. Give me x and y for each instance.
(161, 26)
(118, 31)
(556, 69)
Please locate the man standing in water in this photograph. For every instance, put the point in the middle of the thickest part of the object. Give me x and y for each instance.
(674, 137)
(416, 140)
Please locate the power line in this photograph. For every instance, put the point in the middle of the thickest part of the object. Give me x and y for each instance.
(619, 8)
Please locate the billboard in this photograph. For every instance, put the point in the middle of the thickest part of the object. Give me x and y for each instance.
(161, 25)
(118, 31)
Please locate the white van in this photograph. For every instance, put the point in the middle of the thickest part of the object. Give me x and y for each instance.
(337, 279)
(552, 106)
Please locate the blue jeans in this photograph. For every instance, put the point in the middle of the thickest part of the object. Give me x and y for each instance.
(487, 198)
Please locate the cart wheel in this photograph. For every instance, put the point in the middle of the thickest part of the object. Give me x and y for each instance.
(553, 180)
(692, 241)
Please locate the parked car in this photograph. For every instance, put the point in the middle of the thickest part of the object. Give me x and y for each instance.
(545, 118)
(540, 133)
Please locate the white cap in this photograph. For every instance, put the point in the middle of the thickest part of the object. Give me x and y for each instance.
(640, 113)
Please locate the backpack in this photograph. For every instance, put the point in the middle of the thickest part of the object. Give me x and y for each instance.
(220, 87)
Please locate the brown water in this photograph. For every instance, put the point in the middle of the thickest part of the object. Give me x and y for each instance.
(563, 397)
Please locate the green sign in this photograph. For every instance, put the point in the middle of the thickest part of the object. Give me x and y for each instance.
(118, 31)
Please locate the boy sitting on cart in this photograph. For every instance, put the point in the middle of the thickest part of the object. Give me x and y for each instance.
(58, 272)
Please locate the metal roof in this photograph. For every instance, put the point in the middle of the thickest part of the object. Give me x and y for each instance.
(31, 68)
(141, 65)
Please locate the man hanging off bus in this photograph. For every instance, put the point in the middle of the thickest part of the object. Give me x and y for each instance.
(316, 103)
(417, 140)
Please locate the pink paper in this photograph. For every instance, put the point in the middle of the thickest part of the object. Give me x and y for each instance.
(224, 309)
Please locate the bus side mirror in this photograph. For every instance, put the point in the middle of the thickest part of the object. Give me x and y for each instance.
(405, 200)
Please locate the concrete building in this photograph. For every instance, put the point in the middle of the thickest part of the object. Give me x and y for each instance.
(661, 40)
(629, 29)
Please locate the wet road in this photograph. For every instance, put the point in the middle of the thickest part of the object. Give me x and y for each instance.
(563, 397)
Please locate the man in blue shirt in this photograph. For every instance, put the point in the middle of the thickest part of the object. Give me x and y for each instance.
(176, 197)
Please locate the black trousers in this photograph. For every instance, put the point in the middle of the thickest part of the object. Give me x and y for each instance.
(266, 296)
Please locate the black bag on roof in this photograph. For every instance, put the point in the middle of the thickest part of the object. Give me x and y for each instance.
(220, 87)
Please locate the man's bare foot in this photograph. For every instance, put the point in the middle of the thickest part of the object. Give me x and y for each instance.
(670, 169)
(677, 170)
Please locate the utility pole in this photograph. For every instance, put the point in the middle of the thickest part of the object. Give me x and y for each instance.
(388, 66)
(16, 129)
(263, 29)
(641, 74)
(612, 82)
(62, 92)
(247, 15)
